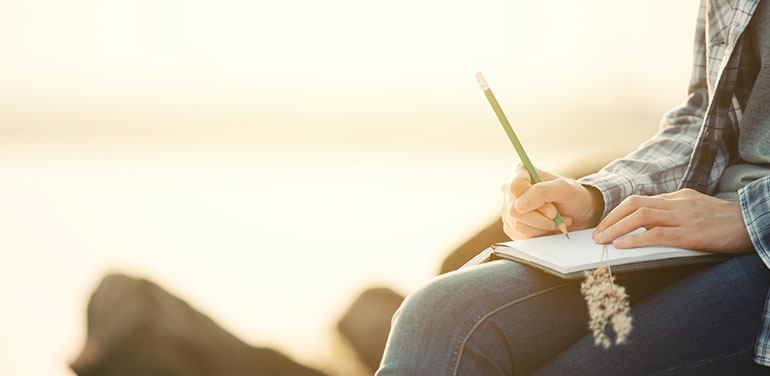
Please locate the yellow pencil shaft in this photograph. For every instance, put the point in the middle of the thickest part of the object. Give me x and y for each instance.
(517, 144)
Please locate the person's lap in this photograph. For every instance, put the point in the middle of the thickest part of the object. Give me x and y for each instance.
(702, 325)
(505, 318)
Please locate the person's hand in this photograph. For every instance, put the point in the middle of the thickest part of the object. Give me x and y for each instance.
(686, 219)
(528, 210)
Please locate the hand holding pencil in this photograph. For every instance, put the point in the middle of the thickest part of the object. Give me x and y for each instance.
(528, 209)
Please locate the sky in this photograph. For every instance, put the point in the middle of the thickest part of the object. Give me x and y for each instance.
(190, 141)
(280, 66)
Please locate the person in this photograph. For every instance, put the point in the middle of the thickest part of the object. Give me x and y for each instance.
(702, 182)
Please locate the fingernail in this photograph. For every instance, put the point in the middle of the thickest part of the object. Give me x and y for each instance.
(597, 235)
(521, 204)
(618, 243)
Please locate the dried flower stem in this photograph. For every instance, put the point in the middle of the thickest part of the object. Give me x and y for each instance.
(607, 303)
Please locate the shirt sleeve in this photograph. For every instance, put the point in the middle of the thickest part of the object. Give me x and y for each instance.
(659, 164)
(755, 206)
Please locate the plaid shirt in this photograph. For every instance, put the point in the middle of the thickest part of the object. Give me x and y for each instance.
(699, 138)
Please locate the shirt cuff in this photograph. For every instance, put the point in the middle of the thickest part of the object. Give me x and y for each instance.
(614, 188)
(755, 207)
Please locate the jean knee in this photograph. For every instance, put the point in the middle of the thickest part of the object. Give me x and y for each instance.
(427, 329)
(431, 304)
(463, 296)
(432, 324)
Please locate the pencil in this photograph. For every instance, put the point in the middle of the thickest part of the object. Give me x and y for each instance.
(517, 145)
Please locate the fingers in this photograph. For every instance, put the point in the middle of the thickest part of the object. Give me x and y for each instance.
(548, 210)
(630, 205)
(542, 218)
(519, 230)
(518, 186)
(557, 190)
(642, 217)
(652, 212)
(533, 219)
(665, 236)
(519, 182)
(520, 171)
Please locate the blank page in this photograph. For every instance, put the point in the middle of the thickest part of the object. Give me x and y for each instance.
(580, 252)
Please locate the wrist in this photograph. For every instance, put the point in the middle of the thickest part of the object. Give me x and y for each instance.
(596, 200)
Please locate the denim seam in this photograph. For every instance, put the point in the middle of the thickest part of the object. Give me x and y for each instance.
(702, 361)
(459, 352)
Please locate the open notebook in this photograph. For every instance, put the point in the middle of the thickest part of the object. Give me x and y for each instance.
(568, 258)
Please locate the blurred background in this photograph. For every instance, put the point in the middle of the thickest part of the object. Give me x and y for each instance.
(265, 161)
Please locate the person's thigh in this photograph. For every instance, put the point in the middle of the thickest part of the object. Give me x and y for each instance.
(705, 324)
(497, 318)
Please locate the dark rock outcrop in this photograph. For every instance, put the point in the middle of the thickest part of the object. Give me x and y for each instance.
(366, 323)
(137, 328)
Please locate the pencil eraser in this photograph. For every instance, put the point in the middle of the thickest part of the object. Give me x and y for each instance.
(482, 81)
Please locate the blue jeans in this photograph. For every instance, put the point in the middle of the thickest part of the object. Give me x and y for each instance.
(503, 318)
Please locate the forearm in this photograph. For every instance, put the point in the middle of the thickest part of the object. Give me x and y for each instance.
(658, 165)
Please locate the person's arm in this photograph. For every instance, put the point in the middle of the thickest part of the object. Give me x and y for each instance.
(659, 164)
(755, 207)
(656, 167)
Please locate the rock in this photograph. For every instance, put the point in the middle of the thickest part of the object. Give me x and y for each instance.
(491, 234)
(137, 328)
(366, 323)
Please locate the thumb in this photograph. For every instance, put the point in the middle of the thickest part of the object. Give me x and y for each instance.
(555, 191)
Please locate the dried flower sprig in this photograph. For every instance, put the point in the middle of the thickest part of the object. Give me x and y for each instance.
(607, 303)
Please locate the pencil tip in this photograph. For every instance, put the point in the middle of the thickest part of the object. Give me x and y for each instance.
(563, 229)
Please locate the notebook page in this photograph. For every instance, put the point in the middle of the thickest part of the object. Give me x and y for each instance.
(580, 251)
